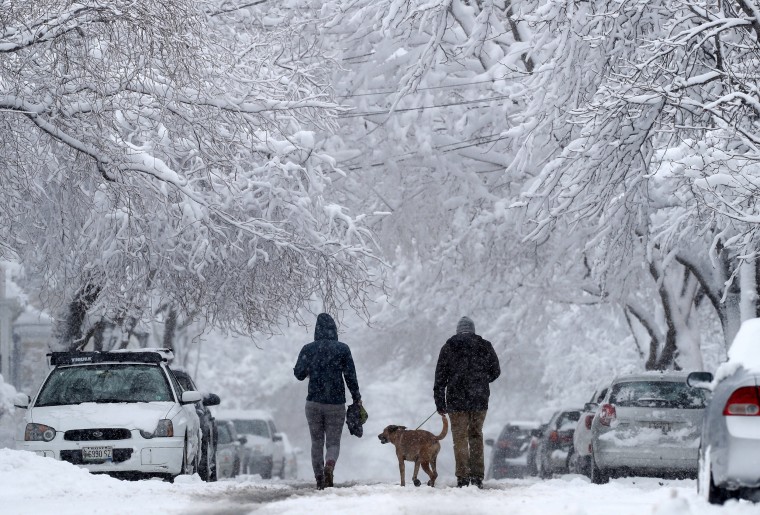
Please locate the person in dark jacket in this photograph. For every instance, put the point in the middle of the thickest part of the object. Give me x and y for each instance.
(466, 365)
(326, 362)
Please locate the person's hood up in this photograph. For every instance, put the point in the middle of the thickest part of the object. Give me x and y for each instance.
(326, 328)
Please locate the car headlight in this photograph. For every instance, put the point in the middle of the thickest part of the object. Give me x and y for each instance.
(39, 433)
(163, 429)
(258, 449)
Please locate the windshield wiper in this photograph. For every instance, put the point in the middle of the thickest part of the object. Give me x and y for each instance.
(113, 401)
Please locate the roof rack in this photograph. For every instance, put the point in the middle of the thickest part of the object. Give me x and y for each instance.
(119, 356)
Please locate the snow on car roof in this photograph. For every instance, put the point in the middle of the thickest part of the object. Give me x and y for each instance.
(652, 375)
(743, 351)
(243, 414)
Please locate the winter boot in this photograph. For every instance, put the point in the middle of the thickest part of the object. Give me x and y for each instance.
(329, 468)
(476, 481)
(463, 481)
(320, 482)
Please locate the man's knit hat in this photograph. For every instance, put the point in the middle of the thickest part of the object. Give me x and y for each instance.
(465, 325)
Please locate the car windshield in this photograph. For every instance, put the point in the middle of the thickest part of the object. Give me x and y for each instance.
(658, 394)
(105, 383)
(252, 427)
(224, 435)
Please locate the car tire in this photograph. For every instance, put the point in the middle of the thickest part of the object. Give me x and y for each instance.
(712, 492)
(598, 476)
(281, 475)
(267, 474)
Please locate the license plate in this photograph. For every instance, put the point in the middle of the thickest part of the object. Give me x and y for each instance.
(665, 427)
(97, 453)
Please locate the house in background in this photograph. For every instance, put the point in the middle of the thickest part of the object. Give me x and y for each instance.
(25, 338)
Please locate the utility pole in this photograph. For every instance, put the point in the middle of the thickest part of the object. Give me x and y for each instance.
(6, 332)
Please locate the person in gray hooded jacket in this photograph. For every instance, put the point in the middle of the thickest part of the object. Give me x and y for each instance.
(327, 362)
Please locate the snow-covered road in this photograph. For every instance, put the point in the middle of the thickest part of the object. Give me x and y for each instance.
(34, 485)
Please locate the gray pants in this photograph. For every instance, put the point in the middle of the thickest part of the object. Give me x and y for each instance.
(325, 424)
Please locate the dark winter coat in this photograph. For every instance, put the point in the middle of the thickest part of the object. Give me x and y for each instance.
(466, 365)
(326, 362)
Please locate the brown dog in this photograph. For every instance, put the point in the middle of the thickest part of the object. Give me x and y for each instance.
(419, 446)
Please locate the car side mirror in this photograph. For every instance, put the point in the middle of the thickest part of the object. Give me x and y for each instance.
(191, 397)
(590, 406)
(22, 400)
(211, 399)
(277, 437)
(489, 442)
(700, 380)
(243, 440)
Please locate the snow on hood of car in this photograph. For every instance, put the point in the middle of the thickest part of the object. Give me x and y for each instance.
(743, 352)
(136, 415)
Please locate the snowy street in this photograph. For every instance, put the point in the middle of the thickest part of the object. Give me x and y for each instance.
(70, 490)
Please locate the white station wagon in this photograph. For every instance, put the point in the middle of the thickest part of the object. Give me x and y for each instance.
(121, 413)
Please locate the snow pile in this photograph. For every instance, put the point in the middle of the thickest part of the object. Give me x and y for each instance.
(7, 411)
(744, 351)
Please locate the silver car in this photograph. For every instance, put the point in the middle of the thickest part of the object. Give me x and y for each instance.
(580, 457)
(648, 424)
(730, 450)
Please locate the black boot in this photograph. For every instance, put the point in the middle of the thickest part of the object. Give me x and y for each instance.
(320, 482)
(463, 481)
(476, 481)
(329, 468)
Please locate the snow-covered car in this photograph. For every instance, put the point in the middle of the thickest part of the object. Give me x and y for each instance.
(229, 450)
(535, 439)
(291, 458)
(121, 413)
(648, 424)
(264, 449)
(580, 456)
(207, 469)
(509, 455)
(729, 453)
(556, 442)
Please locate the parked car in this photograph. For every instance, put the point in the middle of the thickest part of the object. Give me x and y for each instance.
(648, 424)
(580, 457)
(291, 458)
(535, 438)
(207, 470)
(229, 450)
(556, 443)
(121, 413)
(729, 454)
(509, 455)
(265, 451)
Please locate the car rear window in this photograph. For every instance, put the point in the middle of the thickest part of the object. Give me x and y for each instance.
(105, 383)
(568, 420)
(224, 435)
(252, 427)
(658, 394)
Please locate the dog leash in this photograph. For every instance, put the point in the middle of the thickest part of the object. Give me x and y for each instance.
(423, 422)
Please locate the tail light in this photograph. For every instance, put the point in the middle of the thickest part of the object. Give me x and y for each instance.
(589, 419)
(607, 414)
(533, 443)
(554, 436)
(743, 402)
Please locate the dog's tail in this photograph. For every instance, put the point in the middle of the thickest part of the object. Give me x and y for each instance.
(445, 429)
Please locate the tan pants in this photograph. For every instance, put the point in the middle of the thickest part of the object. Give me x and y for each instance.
(467, 432)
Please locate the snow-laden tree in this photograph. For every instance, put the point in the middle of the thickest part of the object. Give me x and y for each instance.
(163, 154)
(645, 119)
